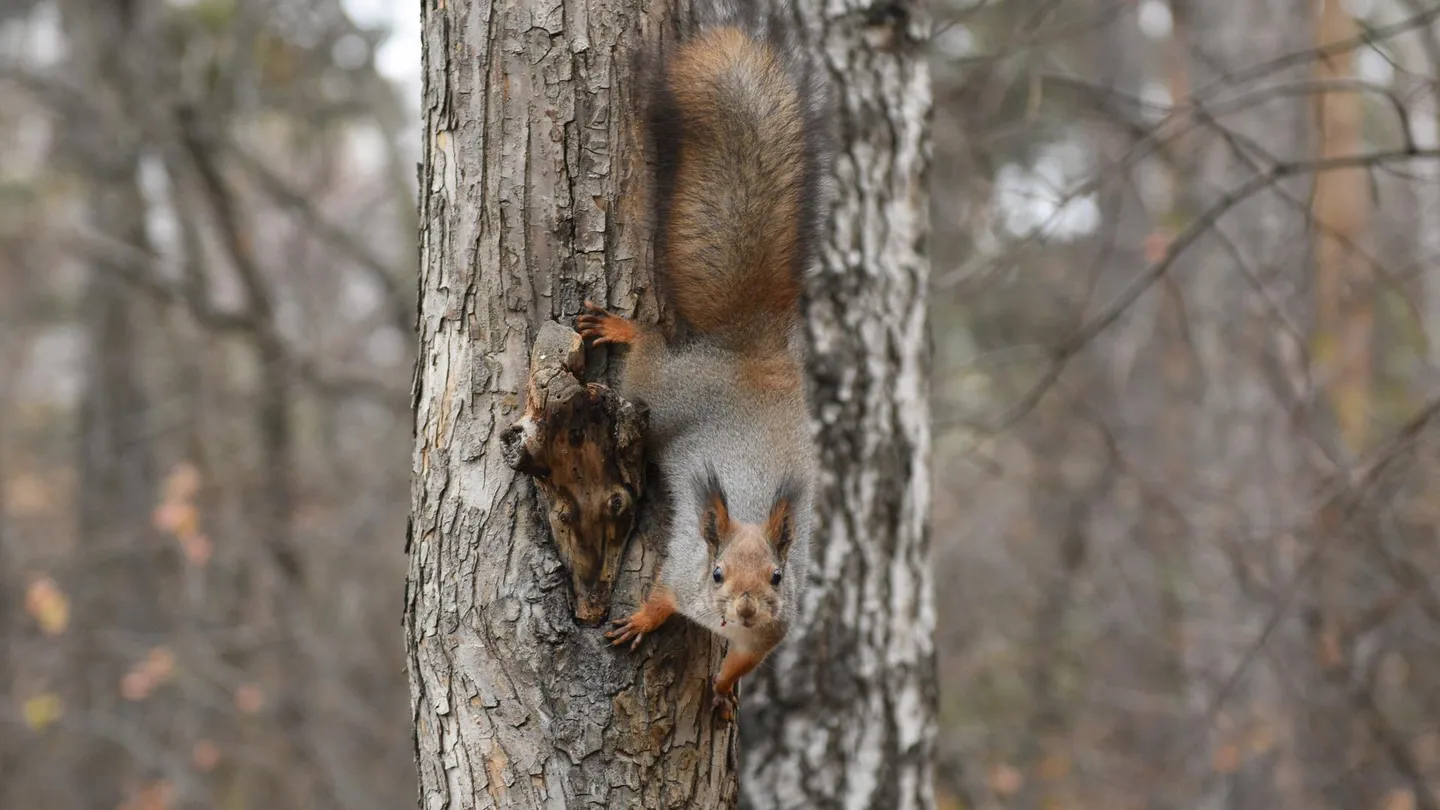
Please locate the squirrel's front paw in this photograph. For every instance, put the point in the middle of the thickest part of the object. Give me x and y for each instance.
(635, 627)
(602, 327)
(725, 703)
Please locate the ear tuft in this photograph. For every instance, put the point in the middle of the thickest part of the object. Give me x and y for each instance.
(780, 526)
(714, 510)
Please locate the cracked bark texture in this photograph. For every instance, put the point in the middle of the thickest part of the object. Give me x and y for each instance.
(531, 200)
(842, 715)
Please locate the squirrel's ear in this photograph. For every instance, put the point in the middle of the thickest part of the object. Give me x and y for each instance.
(780, 527)
(714, 511)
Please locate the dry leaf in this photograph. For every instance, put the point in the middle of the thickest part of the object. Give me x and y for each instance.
(160, 664)
(47, 603)
(136, 685)
(28, 495)
(42, 710)
(249, 699)
(1329, 651)
(1054, 767)
(205, 755)
(197, 549)
(945, 801)
(179, 519)
(183, 483)
(1004, 780)
(1157, 243)
(1399, 799)
(1261, 738)
(158, 795)
(1226, 759)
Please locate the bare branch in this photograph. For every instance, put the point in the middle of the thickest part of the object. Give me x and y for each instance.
(1202, 224)
(136, 267)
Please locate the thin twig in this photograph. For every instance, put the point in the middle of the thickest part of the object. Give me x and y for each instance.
(136, 268)
(1141, 283)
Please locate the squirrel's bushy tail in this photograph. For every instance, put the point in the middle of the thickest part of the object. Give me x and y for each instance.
(736, 128)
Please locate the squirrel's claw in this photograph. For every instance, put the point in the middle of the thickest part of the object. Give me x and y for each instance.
(725, 704)
(592, 328)
(625, 631)
(592, 322)
(602, 327)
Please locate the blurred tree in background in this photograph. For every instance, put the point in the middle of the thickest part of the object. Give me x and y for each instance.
(1185, 283)
(207, 219)
(1185, 293)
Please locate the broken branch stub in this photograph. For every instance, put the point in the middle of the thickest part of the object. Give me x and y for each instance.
(584, 445)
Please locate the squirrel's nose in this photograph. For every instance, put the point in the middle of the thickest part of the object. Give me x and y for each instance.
(746, 608)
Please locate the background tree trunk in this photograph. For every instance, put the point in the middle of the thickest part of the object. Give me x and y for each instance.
(843, 713)
(532, 200)
(1344, 304)
(118, 476)
(1247, 314)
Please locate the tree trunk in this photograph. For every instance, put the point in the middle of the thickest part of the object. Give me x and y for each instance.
(842, 715)
(119, 590)
(1247, 321)
(532, 200)
(1345, 315)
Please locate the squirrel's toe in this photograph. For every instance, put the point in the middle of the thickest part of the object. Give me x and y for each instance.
(625, 631)
(725, 705)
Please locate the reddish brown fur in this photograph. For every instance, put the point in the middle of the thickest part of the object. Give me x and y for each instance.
(748, 563)
(601, 327)
(748, 595)
(715, 520)
(733, 234)
(644, 342)
(738, 182)
(778, 524)
(771, 372)
(737, 665)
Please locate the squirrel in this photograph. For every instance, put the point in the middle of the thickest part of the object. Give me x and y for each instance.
(734, 124)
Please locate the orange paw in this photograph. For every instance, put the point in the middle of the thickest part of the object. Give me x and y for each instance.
(634, 628)
(725, 703)
(601, 327)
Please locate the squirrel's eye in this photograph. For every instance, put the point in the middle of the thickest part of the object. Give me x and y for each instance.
(617, 505)
(775, 577)
(718, 575)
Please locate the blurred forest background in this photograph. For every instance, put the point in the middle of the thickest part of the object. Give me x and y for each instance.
(1186, 284)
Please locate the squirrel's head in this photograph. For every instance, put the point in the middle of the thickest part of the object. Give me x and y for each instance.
(748, 579)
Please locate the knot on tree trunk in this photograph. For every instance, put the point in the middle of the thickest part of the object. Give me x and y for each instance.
(584, 445)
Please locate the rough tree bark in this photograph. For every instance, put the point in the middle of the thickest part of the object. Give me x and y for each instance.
(532, 200)
(843, 713)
